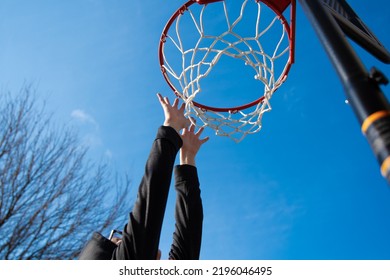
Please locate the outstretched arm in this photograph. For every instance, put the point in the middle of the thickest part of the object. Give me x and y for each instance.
(142, 233)
(189, 210)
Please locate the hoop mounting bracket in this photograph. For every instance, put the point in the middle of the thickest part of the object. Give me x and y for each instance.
(378, 76)
(280, 5)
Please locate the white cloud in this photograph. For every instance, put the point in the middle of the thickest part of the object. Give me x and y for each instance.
(108, 154)
(89, 128)
(83, 117)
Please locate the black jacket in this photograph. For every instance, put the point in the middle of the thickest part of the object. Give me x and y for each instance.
(141, 235)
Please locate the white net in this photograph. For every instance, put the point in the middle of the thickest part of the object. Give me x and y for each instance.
(249, 32)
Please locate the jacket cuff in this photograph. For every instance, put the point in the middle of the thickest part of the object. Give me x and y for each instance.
(187, 173)
(169, 133)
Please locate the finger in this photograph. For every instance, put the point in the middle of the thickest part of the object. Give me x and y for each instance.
(176, 102)
(192, 120)
(182, 107)
(160, 98)
(188, 123)
(199, 131)
(192, 128)
(164, 101)
(204, 140)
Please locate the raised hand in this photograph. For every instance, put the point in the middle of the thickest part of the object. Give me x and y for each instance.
(174, 116)
(191, 144)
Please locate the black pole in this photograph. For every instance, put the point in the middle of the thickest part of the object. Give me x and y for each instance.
(362, 89)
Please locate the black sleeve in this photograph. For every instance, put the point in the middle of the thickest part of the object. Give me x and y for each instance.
(141, 235)
(187, 237)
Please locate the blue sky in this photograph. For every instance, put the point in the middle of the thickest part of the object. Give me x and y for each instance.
(306, 187)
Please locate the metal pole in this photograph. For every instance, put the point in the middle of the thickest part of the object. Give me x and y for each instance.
(362, 89)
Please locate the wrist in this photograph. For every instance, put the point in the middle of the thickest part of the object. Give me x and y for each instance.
(187, 159)
(172, 125)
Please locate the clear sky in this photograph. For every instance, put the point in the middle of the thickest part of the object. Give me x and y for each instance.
(306, 187)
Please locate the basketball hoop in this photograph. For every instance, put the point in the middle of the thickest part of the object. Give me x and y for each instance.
(267, 46)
